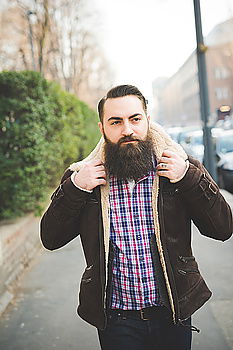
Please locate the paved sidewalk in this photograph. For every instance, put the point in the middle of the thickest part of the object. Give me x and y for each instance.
(43, 315)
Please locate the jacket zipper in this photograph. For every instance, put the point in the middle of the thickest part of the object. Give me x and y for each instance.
(185, 259)
(184, 272)
(102, 265)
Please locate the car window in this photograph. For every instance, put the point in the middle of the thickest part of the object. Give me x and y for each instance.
(225, 144)
(199, 140)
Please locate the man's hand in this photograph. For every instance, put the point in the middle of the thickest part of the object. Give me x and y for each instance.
(91, 175)
(171, 165)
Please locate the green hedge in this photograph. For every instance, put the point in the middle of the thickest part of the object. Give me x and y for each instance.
(42, 130)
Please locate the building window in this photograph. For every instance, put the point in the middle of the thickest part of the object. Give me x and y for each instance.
(221, 73)
(222, 93)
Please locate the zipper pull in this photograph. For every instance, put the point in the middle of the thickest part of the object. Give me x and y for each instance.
(193, 328)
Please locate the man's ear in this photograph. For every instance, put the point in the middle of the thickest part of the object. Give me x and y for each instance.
(148, 118)
(100, 125)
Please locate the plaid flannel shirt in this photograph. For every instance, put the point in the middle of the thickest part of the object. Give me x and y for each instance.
(131, 226)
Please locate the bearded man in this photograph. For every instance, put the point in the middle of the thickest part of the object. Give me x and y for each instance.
(132, 201)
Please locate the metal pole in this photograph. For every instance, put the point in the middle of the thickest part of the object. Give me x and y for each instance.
(31, 38)
(209, 159)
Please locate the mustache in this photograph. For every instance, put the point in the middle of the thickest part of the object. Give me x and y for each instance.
(126, 139)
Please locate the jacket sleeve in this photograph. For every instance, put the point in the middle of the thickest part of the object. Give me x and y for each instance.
(61, 221)
(206, 205)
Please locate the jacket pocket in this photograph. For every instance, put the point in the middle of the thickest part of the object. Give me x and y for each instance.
(194, 298)
(186, 259)
(87, 275)
(187, 274)
(185, 271)
(189, 265)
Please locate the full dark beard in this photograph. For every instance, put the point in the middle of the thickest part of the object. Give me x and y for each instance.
(129, 161)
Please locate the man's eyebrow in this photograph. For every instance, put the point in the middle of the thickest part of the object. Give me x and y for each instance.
(134, 115)
(114, 118)
(119, 118)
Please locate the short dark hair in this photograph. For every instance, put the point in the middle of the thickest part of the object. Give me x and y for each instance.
(120, 91)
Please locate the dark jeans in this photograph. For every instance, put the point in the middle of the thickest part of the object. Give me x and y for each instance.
(158, 333)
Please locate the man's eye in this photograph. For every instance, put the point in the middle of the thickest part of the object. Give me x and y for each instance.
(136, 119)
(116, 122)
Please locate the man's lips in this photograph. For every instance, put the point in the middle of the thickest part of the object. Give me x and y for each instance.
(129, 141)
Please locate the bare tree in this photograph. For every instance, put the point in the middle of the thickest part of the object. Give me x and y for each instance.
(56, 38)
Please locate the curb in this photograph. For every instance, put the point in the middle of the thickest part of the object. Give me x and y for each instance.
(5, 300)
(19, 244)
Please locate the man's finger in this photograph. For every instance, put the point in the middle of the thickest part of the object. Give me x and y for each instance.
(96, 162)
(165, 173)
(168, 153)
(101, 174)
(162, 166)
(100, 168)
(101, 182)
(165, 160)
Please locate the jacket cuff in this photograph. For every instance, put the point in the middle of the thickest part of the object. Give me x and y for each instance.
(74, 193)
(181, 177)
(191, 178)
(73, 181)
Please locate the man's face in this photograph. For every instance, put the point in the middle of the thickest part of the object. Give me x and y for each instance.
(124, 116)
(128, 146)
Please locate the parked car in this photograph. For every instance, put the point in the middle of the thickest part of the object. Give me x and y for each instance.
(178, 133)
(223, 147)
(224, 152)
(193, 142)
(226, 123)
(185, 131)
(174, 132)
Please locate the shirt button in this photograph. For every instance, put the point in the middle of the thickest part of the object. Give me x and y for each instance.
(143, 279)
(141, 258)
(139, 237)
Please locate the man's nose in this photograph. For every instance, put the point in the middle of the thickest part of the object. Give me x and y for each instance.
(127, 130)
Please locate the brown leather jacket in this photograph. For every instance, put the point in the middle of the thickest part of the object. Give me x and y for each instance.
(194, 198)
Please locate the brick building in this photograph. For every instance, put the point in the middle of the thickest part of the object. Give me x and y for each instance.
(177, 98)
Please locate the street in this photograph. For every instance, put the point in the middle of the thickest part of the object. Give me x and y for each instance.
(43, 314)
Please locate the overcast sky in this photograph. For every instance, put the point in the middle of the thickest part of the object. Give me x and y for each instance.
(144, 39)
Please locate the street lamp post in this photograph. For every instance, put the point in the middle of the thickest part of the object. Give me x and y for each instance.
(209, 158)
